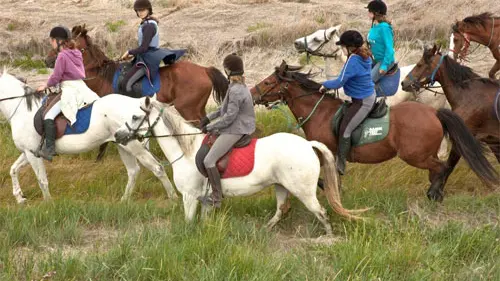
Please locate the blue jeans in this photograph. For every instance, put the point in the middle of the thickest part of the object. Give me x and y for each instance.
(376, 71)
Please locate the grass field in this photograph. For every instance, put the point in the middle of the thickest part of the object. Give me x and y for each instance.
(86, 234)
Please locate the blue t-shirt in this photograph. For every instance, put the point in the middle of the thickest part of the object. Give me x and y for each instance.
(381, 40)
(355, 77)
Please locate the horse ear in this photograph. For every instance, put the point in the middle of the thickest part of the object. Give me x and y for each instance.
(337, 28)
(283, 67)
(434, 49)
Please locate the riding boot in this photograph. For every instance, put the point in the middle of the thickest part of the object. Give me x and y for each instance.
(214, 179)
(49, 150)
(342, 152)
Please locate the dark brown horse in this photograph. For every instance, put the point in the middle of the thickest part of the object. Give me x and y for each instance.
(470, 96)
(415, 130)
(184, 84)
(483, 29)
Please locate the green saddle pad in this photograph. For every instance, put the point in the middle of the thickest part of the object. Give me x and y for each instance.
(369, 131)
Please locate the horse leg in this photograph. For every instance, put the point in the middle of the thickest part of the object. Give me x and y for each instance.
(494, 145)
(436, 171)
(283, 206)
(154, 166)
(133, 170)
(40, 173)
(14, 171)
(311, 202)
(190, 205)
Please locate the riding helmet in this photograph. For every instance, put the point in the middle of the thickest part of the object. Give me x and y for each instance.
(351, 38)
(60, 32)
(143, 5)
(377, 7)
(233, 65)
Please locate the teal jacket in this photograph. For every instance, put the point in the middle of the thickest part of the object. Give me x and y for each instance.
(381, 40)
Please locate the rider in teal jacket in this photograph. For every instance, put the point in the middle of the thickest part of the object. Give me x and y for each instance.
(380, 39)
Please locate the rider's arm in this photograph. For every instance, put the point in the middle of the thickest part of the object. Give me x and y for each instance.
(148, 32)
(233, 108)
(348, 71)
(215, 114)
(388, 41)
(59, 68)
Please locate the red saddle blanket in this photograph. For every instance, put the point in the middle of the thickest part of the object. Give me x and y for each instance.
(238, 162)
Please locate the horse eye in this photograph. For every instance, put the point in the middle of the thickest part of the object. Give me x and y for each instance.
(316, 40)
(135, 117)
(267, 83)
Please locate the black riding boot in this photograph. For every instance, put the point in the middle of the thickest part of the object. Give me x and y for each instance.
(342, 152)
(214, 179)
(49, 149)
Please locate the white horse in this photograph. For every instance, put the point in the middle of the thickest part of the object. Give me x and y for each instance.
(18, 103)
(322, 43)
(288, 161)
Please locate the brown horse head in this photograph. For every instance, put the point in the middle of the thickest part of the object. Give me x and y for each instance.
(273, 88)
(459, 41)
(422, 73)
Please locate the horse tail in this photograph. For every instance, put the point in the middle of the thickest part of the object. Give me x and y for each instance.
(467, 146)
(219, 84)
(331, 181)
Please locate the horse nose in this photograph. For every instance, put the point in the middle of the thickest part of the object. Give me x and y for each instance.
(298, 45)
(406, 86)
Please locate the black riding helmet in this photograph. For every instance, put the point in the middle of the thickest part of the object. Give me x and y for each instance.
(377, 7)
(143, 5)
(60, 32)
(351, 38)
(233, 65)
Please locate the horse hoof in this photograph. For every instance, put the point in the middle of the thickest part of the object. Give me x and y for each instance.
(22, 201)
(435, 196)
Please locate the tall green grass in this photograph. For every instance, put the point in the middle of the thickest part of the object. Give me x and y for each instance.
(87, 234)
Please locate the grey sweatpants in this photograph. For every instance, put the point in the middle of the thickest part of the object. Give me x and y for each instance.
(376, 71)
(222, 145)
(356, 113)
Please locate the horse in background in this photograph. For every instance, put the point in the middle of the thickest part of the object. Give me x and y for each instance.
(483, 29)
(184, 84)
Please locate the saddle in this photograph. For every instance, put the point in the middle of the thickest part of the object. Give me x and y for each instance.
(244, 148)
(62, 124)
(145, 86)
(388, 84)
(374, 128)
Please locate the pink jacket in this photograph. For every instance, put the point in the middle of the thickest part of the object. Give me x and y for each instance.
(69, 66)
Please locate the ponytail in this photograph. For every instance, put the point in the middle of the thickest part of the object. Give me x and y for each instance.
(362, 51)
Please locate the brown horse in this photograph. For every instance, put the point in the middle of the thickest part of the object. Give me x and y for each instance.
(184, 84)
(470, 96)
(483, 29)
(415, 130)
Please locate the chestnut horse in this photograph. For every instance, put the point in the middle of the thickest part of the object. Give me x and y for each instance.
(415, 130)
(184, 84)
(473, 98)
(483, 29)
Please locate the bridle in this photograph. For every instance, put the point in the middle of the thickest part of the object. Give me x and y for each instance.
(468, 41)
(283, 100)
(431, 77)
(317, 52)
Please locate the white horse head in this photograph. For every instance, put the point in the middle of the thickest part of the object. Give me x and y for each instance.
(19, 103)
(321, 42)
(274, 157)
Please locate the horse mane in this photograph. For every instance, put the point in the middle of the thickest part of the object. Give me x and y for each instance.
(178, 126)
(462, 75)
(105, 66)
(31, 95)
(304, 79)
(479, 20)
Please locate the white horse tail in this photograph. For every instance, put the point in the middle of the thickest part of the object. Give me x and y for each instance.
(332, 187)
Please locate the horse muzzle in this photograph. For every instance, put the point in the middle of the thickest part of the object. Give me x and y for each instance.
(123, 137)
(410, 86)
